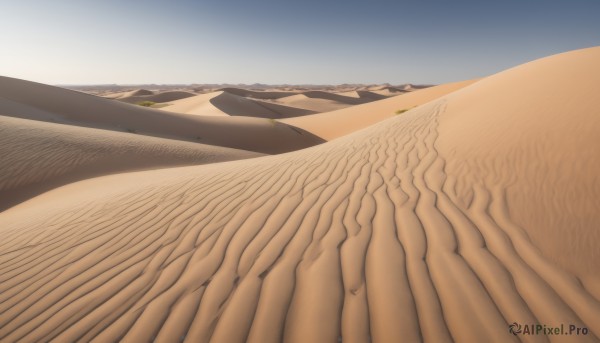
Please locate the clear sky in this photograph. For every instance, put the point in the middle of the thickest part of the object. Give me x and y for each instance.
(279, 41)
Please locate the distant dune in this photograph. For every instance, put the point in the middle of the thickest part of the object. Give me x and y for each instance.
(224, 103)
(319, 101)
(477, 208)
(330, 125)
(257, 94)
(35, 101)
(368, 95)
(268, 104)
(158, 97)
(129, 94)
(38, 156)
(139, 92)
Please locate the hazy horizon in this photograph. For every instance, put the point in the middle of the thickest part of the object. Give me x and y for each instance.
(269, 42)
(237, 84)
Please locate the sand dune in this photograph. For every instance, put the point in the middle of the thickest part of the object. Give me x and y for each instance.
(553, 155)
(127, 94)
(391, 91)
(29, 100)
(159, 97)
(333, 96)
(140, 92)
(371, 95)
(330, 125)
(442, 224)
(38, 156)
(256, 94)
(223, 103)
(197, 105)
(320, 101)
(267, 104)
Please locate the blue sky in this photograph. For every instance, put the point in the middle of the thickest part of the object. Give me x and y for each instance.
(268, 41)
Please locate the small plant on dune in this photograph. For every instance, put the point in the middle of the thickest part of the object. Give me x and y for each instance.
(404, 110)
(272, 121)
(130, 130)
(145, 103)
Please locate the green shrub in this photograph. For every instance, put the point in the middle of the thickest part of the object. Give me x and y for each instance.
(145, 103)
(402, 111)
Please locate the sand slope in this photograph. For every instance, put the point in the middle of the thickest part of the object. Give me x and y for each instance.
(320, 101)
(38, 156)
(256, 94)
(543, 140)
(128, 94)
(223, 103)
(159, 97)
(30, 100)
(334, 124)
(269, 104)
(370, 237)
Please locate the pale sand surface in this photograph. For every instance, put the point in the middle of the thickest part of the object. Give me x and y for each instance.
(330, 125)
(135, 97)
(224, 103)
(373, 94)
(269, 104)
(320, 101)
(38, 156)
(445, 223)
(129, 94)
(36, 101)
(539, 146)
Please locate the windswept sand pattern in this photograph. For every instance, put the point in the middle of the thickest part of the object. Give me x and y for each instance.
(363, 238)
(30, 100)
(38, 156)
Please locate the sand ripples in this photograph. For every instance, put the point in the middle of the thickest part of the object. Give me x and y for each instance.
(363, 238)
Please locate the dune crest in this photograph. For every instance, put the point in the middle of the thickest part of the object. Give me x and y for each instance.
(334, 124)
(270, 104)
(30, 100)
(159, 97)
(224, 103)
(39, 156)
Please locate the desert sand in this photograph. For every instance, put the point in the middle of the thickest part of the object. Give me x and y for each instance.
(30, 100)
(142, 95)
(338, 123)
(269, 104)
(40, 156)
(226, 103)
(475, 208)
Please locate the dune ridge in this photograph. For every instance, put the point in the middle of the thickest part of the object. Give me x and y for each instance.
(554, 151)
(256, 94)
(38, 156)
(159, 97)
(336, 241)
(269, 104)
(334, 124)
(224, 103)
(30, 100)
(230, 238)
